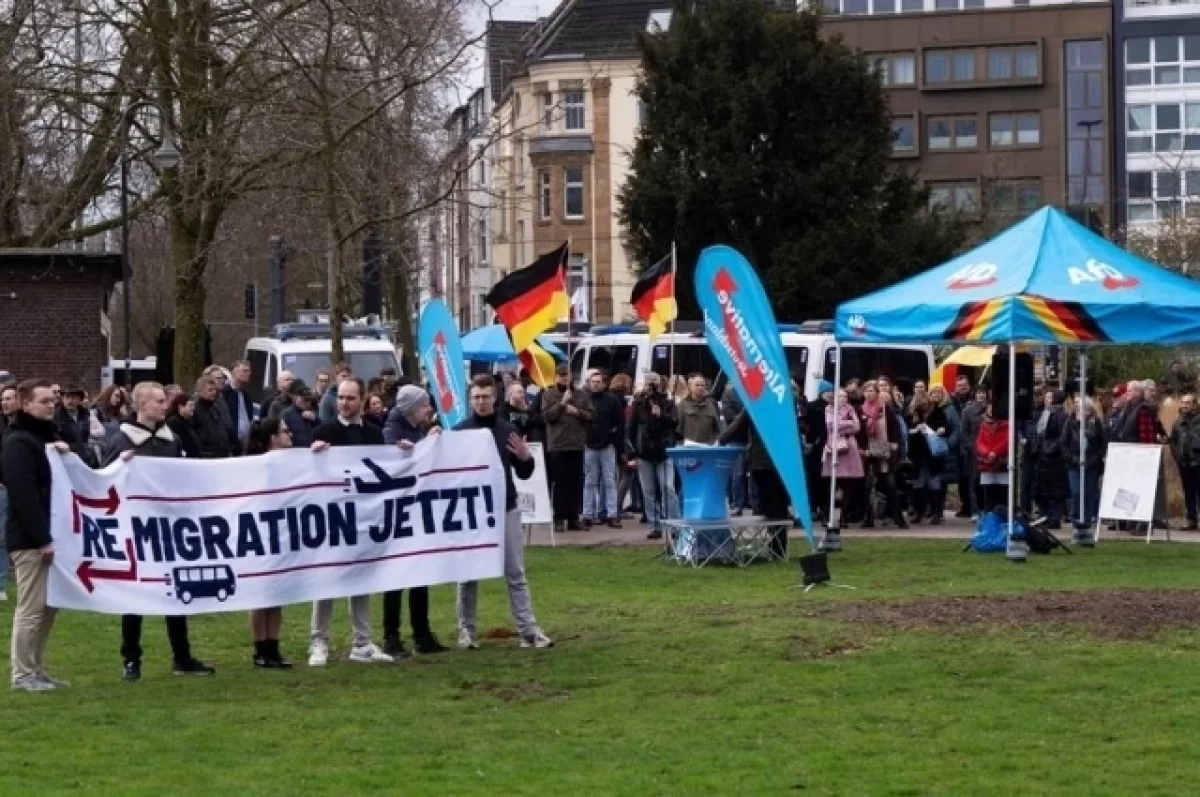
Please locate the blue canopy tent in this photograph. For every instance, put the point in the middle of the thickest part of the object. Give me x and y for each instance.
(491, 344)
(1046, 279)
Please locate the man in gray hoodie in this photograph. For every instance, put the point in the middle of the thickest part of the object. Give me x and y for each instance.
(699, 419)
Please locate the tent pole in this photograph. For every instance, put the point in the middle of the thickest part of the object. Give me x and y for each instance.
(831, 526)
(1013, 554)
(1082, 517)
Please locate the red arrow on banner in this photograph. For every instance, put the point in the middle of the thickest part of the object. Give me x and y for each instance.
(87, 574)
(445, 393)
(751, 377)
(109, 503)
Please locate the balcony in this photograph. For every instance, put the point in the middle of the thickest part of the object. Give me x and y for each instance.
(1153, 9)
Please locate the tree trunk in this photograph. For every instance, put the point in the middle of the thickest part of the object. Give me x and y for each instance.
(398, 303)
(190, 295)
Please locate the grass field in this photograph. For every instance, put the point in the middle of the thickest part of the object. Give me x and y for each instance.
(665, 681)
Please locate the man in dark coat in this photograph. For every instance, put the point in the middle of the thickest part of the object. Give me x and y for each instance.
(208, 420)
(241, 406)
(515, 458)
(1052, 487)
(149, 436)
(27, 476)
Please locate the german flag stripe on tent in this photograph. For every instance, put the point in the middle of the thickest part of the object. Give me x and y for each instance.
(1067, 321)
(653, 296)
(973, 319)
(532, 300)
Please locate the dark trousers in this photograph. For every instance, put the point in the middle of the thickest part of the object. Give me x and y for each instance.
(418, 612)
(1190, 476)
(966, 485)
(772, 504)
(131, 638)
(566, 473)
(1028, 476)
(995, 495)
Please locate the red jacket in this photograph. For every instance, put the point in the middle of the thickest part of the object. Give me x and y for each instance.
(993, 439)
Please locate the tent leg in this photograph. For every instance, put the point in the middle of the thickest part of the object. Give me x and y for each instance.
(1082, 535)
(1016, 550)
(833, 535)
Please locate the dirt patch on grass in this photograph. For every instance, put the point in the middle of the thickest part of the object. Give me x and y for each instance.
(802, 648)
(516, 692)
(1110, 613)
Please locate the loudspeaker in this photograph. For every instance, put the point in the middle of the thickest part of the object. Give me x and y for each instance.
(1023, 387)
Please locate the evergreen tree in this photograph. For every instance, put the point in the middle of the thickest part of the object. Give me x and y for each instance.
(760, 133)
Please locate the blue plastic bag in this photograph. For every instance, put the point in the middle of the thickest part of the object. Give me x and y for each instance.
(991, 534)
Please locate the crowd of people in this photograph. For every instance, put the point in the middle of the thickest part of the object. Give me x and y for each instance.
(217, 419)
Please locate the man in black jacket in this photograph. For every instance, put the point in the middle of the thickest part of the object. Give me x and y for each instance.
(74, 424)
(515, 457)
(347, 429)
(652, 432)
(149, 436)
(241, 407)
(31, 549)
(9, 406)
(605, 437)
(208, 420)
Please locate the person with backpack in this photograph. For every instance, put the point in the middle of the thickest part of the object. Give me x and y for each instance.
(1185, 447)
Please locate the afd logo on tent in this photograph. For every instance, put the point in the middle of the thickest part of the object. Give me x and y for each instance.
(974, 275)
(1095, 271)
(857, 324)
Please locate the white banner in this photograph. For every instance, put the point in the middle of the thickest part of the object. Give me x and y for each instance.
(1130, 481)
(533, 494)
(176, 536)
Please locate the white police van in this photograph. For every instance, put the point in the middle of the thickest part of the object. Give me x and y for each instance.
(810, 350)
(305, 348)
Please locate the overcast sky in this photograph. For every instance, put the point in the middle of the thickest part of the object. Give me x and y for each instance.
(508, 10)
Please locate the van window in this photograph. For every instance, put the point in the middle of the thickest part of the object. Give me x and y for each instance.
(867, 363)
(258, 372)
(272, 371)
(614, 359)
(366, 364)
(797, 363)
(577, 364)
(689, 359)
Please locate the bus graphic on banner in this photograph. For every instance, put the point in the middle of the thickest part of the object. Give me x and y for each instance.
(216, 581)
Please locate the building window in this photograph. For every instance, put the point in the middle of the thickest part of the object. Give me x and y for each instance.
(573, 192)
(1015, 196)
(573, 110)
(1015, 129)
(547, 112)
(482, 242)
(854, 7)
(519, 161)
(1085, 123)
(912, 5)
(1007, 63)
(544, 195)
(885, 7)
(480, 166)
(949, 66)
(961, 196)
(895, 69)
(1163, 195)
(502, 216)
(1162, 127)
(1162, 60)
(953, 132)
(904, 134)
(520, 243)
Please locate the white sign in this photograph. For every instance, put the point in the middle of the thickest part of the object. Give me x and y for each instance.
(533, 494)
(1130, 481)
(177, 536)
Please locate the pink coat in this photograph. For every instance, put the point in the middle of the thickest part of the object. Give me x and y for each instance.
(849, 461)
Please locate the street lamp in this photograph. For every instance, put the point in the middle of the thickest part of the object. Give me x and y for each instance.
(167, 156)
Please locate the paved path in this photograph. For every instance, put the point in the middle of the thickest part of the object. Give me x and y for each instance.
(634, 533)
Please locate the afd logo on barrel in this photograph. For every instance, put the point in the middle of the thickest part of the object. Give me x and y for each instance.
(1098, 272)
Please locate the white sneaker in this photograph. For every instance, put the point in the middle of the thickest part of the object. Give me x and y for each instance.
(537, 639)
(57, 683)
(466, 640)
(369, 653)
(318, 655)
(31, 683)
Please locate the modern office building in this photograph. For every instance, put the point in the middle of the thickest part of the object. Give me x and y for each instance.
(999, 105)
(1156, 61)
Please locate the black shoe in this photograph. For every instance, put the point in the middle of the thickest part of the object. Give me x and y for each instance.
(132, 671)
(654, 535)
(192, 666)
(394, 647)
(1191, 526)
(614, 524)
(586, 522)
(559, 526)
(574, 526)
(261, 661)
(901, 523)
(427, 645)
(868, 524)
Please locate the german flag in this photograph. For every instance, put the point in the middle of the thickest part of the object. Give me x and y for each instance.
(1069, 322)
(539, 363)
(973, 319)
(532, 300)
(654, 296)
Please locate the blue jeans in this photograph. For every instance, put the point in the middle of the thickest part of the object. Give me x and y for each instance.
(3, 545)
(737, 483)
(658, 491)
(600, 473)
(1091, 498)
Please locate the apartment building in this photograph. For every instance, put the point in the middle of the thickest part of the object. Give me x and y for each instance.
(1000, 106)
(566, 119)
(1156, 61)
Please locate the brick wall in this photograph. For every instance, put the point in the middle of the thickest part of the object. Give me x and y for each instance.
(52, 328)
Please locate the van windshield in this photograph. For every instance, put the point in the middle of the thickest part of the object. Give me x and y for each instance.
(868, 363)
(366, 364)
